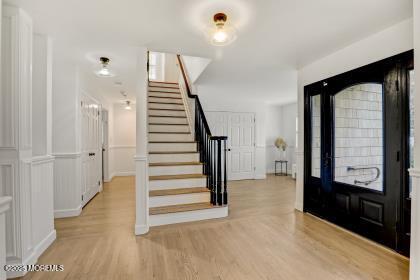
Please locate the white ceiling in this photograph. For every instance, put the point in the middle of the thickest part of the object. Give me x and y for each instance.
(274, 36)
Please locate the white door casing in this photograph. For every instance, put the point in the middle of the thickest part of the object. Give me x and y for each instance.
(240, 129)
(91, 148)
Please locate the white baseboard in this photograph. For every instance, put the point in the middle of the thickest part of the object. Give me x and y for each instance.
(260, 177)
(65, 213)
(141, 229)
(299, 206)
(120, 174)
(39, 249)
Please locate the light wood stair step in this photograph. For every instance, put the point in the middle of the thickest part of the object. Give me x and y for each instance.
(180, 208)
(166, 103)
(175, 163)
(172, 153)
(163, 109)
(184, 124)
(161, 91)
(164, 97)
(161, 87)
(172, 142)
(178, 191)
(160, 82)
(163, 116)
(169, 132)
(177, 177)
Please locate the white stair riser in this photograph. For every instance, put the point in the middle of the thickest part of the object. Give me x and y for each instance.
(177, 183)
(163, 94)
(188, 216)
(168, 120)
(170, 137)
(155, 158)
(169, 128)
(165, 100)
(174, 147)
(157, 84)
(166, 106)
(167, 113)
(157, 201)
(175, 170)
(163, 89)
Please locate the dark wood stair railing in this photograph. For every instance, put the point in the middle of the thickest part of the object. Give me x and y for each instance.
(212, 149)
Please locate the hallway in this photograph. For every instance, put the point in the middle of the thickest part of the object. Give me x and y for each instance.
(263, 238)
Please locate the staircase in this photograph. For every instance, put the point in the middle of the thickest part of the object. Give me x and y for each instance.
(178, 186)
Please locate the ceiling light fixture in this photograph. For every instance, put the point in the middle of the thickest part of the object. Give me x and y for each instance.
(104, 71)
(127, 105)
(222, 33)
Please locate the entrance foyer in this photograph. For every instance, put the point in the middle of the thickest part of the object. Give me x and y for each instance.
(263, 238)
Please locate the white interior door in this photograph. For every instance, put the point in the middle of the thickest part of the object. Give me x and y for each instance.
(91, 149)
(240, 129)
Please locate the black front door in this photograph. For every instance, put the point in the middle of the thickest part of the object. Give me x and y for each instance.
(355, 135)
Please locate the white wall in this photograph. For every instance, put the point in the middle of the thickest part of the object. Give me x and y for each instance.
(195, 66)
(122, 148)
(391, 41)
(280, 122)
(171, 68)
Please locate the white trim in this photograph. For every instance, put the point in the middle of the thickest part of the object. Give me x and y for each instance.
(67, 155)
(5, 203)
(44, 244)
(121, 147)
(120, 174)
(140, 158)
(65, 213)
(414, 172)
(260, 176)
(141, 229)
(42, 159)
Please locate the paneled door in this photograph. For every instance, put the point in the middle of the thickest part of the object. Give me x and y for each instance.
(354, 149)
(91, 148)
(240, 129)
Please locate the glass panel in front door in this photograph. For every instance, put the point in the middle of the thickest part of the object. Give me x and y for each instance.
(316, 136)
(411, 128)
(358, 136)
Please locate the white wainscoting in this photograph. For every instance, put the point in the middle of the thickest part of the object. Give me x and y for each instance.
(272, 154)
(67, 185)
(4, 207)
(121, 161)
(42, 197)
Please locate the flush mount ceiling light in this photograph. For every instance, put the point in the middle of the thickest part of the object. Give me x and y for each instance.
(104, 71)
(222, 33)
(127, 105)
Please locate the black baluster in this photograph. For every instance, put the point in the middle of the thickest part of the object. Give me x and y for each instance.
(219, 172)
(225, 196)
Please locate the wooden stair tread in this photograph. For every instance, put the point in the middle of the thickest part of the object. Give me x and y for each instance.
(160, 91)
(163, 87)
(178, 191)
(163, 109)
(165, 97)
(177, 177)
(172, 142)
(170, 103)
(171, 83)
(175, 163)
(173, 152)
(169, 132)
(180, 208)
(163, 116)
(184, 124)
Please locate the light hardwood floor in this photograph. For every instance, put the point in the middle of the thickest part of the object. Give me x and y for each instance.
(263, 238)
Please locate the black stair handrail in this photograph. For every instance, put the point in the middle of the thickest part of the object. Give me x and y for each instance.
(212, 149)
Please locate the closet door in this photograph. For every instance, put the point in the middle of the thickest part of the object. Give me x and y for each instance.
(240, 129)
